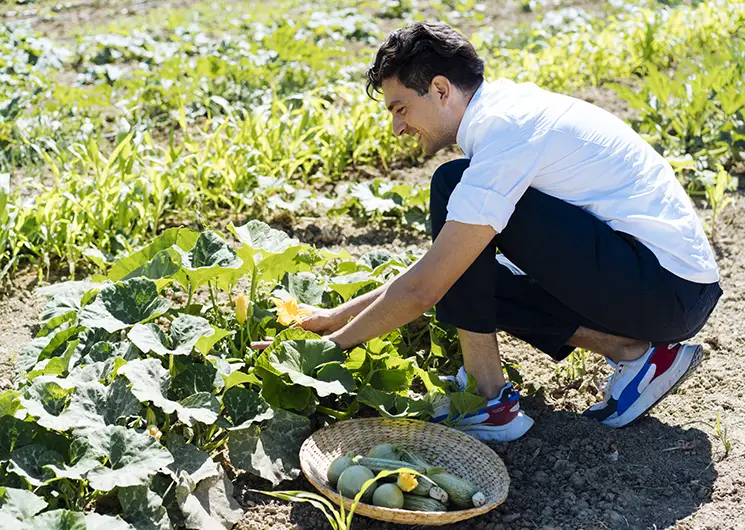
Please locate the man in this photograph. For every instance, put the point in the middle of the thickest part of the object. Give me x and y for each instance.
(600, 246)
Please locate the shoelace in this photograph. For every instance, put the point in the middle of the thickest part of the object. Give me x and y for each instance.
(606, 385)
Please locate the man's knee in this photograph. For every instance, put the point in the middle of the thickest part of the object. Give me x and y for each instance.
(444, 180)
(447, 176)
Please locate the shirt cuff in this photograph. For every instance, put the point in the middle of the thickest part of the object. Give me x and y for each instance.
(479, 206)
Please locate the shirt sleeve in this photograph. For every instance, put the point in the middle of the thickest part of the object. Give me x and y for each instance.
(505, 160)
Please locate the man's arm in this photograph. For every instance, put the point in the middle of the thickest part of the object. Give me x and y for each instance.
(420, 287)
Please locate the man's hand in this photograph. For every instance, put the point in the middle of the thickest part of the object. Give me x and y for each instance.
(321, 321)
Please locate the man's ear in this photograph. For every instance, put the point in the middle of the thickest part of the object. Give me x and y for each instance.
(442, 88)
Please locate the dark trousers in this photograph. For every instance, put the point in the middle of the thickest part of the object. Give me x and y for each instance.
(579, 272)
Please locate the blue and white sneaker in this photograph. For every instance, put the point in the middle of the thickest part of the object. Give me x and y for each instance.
(637, 386)
(501, 420)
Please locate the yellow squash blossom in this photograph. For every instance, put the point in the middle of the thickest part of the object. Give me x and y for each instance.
(289, 311)
(241, 308)
(407, 482)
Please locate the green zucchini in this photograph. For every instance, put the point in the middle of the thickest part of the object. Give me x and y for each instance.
(351, 481)
(385, 451)
(338, 466)
(426, 487)
(413, 458)
(376, 465)
(422, 504)
(461, 492)
(388, 496)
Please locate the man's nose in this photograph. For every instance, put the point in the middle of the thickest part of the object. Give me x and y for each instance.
(399, 126)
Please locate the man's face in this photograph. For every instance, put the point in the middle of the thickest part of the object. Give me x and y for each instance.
(424, 117)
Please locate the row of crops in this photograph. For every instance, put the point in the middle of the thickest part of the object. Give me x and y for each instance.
(106, 142)
(141, 385)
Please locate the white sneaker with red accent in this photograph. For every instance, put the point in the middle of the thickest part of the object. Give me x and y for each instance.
(637, 386)
(501, 420)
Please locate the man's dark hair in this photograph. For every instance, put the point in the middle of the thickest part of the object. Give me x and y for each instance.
(418, 52)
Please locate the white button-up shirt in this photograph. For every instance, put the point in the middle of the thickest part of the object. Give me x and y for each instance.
(518, 135)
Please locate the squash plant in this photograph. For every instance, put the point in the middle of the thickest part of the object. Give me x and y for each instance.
(142, 381)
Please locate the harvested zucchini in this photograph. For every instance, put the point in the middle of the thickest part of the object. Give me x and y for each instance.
(338, 466)
(422, 504)
(377, 465)
(413, 458)
(461, 492)
(351, 481)
(388, 496)
(385, 451)
(426, 487)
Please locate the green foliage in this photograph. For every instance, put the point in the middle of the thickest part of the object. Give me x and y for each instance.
(128, 395)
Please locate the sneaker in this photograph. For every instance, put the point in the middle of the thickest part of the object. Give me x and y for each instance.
(501, 420)
(637, 386)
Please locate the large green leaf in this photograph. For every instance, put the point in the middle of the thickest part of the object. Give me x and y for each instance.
(391, 405)
(281, 394)
(150, 383)
(64, 298)
(132, 457)
(208, 341)
(348, 285)
(192, 379)
(56, 520)
(29, 462)
(245, 407)
(211, 258)
(182, 237)
(55, 344)
(83, 458)
(92, 405)
(208, 505)
(335, 372)
(16, 433)
(393, 374)
(463, 404)
(164, 264)
(189, 459)
(20, 504)
(9, 403)
(124, 304)
(300, 359)
(96, 521)
(305, 287)
(278, 251)
(45, 399)
(143, 508)
(270, 452)
(186, 330)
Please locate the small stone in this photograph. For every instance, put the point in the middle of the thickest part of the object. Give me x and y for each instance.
(612, 456)
(541, 477)
(560, 465)
(577, 480)
(510, 517)
(616, 518)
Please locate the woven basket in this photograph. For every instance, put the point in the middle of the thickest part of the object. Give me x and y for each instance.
(442, 446)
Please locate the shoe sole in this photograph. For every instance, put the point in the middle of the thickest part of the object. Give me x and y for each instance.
(679, 372)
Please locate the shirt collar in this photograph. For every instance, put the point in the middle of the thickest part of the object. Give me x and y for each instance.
(468, 116)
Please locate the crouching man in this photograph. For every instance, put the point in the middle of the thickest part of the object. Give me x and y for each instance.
(599, 245)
